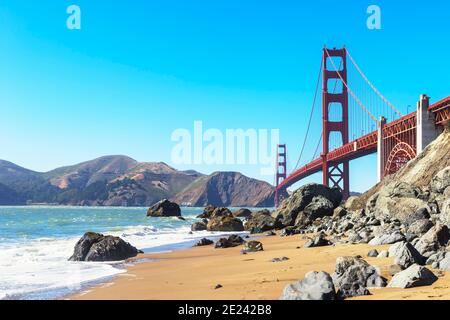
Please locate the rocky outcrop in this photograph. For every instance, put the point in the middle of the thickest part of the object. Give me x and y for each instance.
(227, 189)
(198, 226)
(414, 276)
(97, 247)
(225, 223)
(204, 242)
(315, 286)
(164, 208)
(260, 222)
(242, 213)
(310, 202)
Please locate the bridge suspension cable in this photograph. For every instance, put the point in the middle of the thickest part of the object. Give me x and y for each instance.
(310, 116)
(372, 86)
(350, 90)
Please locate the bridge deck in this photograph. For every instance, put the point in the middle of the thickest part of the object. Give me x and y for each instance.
(366, 144)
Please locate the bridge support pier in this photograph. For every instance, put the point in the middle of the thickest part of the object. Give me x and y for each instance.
(426, 128)
(380, 150)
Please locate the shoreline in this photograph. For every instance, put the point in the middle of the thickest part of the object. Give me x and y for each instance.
(193, 274)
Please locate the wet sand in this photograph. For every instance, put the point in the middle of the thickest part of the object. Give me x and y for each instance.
(194, 273)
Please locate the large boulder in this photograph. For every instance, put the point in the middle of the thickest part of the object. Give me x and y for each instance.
(441, 181)
(198, 226)
(225, 223)
(315, 286)
(406, 255)
(164, 208)
(242, 213)
(437, 237)
(319, 207)
(97, 247)
(260, 222)
(353, 276)
(414, 276)
(399, 208)
(302, 197)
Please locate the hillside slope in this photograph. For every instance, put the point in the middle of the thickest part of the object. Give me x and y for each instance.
(227, 189)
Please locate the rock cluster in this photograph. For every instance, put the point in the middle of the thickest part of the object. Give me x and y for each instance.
(164, 208)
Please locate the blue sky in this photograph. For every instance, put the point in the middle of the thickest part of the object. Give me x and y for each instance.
(138, 70)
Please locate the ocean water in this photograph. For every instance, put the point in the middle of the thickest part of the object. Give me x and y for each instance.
(36, 242)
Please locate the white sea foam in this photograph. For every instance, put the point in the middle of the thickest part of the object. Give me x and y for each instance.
(39, 268)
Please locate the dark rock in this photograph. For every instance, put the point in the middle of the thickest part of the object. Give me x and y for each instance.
(97, 247)
(242, 213)
(225, 223)
(315, 286)
(289, 231)
(372, 253)
(414, 276)
(231, 241)
(198, 226)
(218, 287)
(207, 212)
(204, 242)
(270, 234)
(253, 246)
(318, 241)
(83, 245)
(164, 208)
(260, 222)
(290, 208)
(319, 207)
(221, 212)
(353, 274)
(421, 214)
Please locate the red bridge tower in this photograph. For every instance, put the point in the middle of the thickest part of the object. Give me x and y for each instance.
(335, 174)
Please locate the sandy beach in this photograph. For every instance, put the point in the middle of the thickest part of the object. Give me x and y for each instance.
(194, 273)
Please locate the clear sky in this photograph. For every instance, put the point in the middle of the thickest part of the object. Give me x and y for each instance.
(138, 70)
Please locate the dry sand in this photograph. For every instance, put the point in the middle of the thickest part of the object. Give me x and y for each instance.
(194, 273)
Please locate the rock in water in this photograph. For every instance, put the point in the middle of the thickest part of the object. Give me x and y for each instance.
(353, 276)
(198, 226)
(97, 247)
(242, 213)
(414, 276)
(164, 208)
(207, 212)
(226, 224)
(253, 246)
(315, 286)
